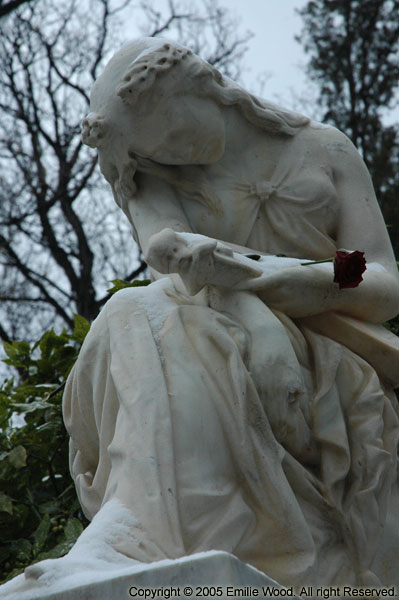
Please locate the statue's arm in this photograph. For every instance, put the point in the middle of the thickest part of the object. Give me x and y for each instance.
(154, 207)
(169, 245)
(307, 290)
(362, 227)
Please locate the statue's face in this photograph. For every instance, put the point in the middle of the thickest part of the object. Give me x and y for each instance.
(170, 122)
(172, 127)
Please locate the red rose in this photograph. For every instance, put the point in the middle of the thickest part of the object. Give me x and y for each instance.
(348, 268)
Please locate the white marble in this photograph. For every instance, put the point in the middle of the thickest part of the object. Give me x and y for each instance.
(223, 572)
(237, 405)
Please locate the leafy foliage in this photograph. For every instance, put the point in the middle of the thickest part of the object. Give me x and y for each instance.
(62, 237)
(120, 284)
(393, 325)
(40, 516)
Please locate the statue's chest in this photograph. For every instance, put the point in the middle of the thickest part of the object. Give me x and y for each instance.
(300, 189)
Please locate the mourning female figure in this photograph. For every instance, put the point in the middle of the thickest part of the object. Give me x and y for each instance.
(236, 404)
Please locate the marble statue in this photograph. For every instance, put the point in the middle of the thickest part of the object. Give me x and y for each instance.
(242, 402)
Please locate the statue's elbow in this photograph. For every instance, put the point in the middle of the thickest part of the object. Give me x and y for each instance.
(389, 299)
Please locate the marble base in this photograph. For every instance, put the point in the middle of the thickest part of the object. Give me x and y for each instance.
(207, 574)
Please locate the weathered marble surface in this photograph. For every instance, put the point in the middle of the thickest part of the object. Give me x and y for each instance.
(208, 569)
(236, 405)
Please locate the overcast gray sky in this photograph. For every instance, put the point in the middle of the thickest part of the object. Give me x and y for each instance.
(272, 50)
(273, 65)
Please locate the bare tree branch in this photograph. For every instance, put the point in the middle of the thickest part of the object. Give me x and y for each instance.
(64, 238)
(8, 7)
(32, 278)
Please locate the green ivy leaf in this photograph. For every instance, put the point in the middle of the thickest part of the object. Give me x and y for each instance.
(51, 427)
(32, 406)
(120, 284)
(4, 553)
(73, 529)
(23, 550)
(16, 349)
(40, 535)
(5, 503)
(18, 353)
(81, 328)
(17, 457)
(51, 507)
(30, 494)
(3, 455)
(47, 343)
(58, 551)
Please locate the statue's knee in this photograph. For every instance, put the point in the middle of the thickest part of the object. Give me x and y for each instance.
(125, 302)
(128, 295)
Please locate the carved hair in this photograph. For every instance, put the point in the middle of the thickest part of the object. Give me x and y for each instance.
(142, 73)
(94, 128)
(260, 113)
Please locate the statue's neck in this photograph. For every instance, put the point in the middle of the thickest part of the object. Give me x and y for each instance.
(250, 153)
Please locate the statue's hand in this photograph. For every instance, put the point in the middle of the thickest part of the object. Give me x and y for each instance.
(170, 252)
(198, 260)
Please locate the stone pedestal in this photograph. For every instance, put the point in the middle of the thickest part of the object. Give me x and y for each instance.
(201, 576)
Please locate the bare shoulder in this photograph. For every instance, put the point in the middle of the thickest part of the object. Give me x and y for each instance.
(340, 150)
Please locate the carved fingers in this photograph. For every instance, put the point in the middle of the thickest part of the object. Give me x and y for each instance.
(198, 260)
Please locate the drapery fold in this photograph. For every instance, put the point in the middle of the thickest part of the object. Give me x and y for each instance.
(226, 428)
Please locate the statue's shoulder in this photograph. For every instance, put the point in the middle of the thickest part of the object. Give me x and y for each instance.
(324, 134)
(331, 141)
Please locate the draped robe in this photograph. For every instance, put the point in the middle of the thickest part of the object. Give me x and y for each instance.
(224, 425)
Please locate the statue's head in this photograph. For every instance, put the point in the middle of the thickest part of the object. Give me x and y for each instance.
(157, 100)
(149, 102)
